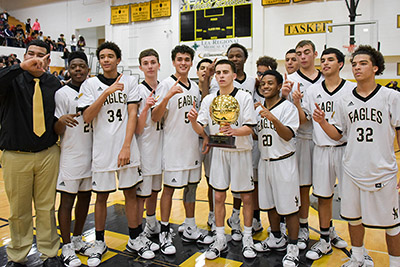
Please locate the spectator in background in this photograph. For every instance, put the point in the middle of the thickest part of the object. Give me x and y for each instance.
(31, 37)
(36, 26)
(81, 43)
(19, 29)
(28, 26)
(9, 35)
(2, 19)
(2, 62)
(393, 85)
(61, 43)
(5, 15)
(50, 43)
(40, 36)
(19, 40)
(65, 57)
(74, 42)
(2, 35)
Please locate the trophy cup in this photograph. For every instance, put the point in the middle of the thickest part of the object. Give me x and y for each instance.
(224, 110)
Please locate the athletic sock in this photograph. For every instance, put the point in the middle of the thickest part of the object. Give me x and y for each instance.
(220, 231)
(100, 235)
(277, 234)
(190, 222)
(256, 214)
(164, 226)
(358, 253)
(394, 260)
(247, 230)
(151, 220)
(135, 232)
(324, 234)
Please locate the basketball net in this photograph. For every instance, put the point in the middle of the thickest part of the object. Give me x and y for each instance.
(350, 49)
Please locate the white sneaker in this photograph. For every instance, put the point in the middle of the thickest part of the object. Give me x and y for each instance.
(354, 263)
(248, 247)
(319, 249)
(141, 245)
(271, 243)
(181, 228)
(195, 235)
(291, 258)
(216, 248)
(166, 244)
(304, 234)
(98, 250)
(81, 247)
(336, 240)
(236, 230)
(153, 230)
(256, 226)
(68, 256)
(368, 261)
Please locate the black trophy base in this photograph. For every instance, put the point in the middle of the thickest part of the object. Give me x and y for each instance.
(221, 141)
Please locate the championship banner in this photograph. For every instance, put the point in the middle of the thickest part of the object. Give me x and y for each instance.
(160, 8)
(307, 27)
(120, 14)
(140, 12)
(274, 2)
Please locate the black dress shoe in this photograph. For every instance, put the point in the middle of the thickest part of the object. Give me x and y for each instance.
(15, 264)
(52, 262)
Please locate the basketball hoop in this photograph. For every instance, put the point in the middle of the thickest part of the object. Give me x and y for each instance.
(350, 49)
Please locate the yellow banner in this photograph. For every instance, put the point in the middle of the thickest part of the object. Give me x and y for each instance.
(306, 27)
(140, 12)
(120, 14)
(274, 2)
(300, 0)
(160, 8)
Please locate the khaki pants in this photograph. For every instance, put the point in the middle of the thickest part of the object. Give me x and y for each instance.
(31, 176)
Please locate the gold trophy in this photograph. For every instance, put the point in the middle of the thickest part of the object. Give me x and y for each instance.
(224, 110)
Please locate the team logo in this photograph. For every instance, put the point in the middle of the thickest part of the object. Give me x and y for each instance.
(378, 185)
(296, 200)
(99, 89)
(395, 213)
(62, 183)
(173, 180)
(350, 104)
(319, 96)
(94, 183)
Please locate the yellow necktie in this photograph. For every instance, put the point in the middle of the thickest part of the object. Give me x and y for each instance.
(39, 126)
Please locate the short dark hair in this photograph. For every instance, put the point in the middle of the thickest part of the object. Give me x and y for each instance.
(277, 75)
(337, 52)
(268, 62)
(109, 45)
(147, 53)
(376, 57)
(304, 43)
(237, 45)
(202, 61)
(77, 54)
(39, 43)
(183, 49)
(226, 62)
(291, 51)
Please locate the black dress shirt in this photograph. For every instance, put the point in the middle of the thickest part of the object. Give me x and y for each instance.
(16, 118)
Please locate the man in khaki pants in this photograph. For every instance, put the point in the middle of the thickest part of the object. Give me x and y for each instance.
(30, 155)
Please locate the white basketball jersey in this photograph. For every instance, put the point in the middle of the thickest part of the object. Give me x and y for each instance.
(247, 117)
(76, 142)
(150, 141)
(271, 145)
(318, 93)
(305, 129)
(109, 126)
(247, 85)
(181, 142)
(370, 124)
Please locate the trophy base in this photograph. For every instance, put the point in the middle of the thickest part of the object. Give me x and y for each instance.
(221, 141)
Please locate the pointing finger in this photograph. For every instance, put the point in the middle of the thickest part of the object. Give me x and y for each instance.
(119, 78)
(153, 92)
(194, 104)
(177, 81)
(285, 76)
(317, 106)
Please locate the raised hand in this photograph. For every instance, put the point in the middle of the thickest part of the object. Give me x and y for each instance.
(297, 95)
(150, 101)
(69, 120)
(265, 113)
(319, 114)
(286, 87)
(211, 69)
(116, 85)
(35, 65)
(192, 115)
(175, 89)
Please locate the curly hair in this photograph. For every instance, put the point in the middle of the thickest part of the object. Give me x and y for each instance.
(268, 62)
(183, 49)
(376, 57)
(109, 45)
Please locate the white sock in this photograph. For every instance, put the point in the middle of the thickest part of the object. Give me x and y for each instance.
(394, 261)
(151, 220)
(220, 231)
(190, 222)
(247, 230)
(301, 220)
(358, 253)
(164, 223)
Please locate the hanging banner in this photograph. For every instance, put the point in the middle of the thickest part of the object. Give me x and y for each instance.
(140, 12)
(189, 5)
(307, 27)
(160, 8)
(274, 2)
(120, 14)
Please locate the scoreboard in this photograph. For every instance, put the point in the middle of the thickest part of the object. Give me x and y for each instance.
(216, 23)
